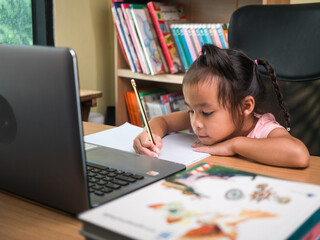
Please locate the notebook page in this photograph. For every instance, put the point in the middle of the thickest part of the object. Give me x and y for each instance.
(176, 147)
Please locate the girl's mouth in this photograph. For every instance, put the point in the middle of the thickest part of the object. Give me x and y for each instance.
(202, 137)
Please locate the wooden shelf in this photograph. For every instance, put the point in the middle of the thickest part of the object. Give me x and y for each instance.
(161, 78)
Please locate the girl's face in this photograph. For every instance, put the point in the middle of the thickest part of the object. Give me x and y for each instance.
(210, 122)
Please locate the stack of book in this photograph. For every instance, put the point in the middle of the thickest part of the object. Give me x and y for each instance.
(155, 102)
(143, 48)
(210, 201)
(190, 38)
(152, 44)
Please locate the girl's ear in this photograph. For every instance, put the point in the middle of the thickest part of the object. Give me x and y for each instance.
(247, 105)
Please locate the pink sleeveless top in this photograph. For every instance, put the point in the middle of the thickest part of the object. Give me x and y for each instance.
(264, 126)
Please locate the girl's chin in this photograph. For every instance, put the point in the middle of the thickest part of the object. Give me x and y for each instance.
(206, 141)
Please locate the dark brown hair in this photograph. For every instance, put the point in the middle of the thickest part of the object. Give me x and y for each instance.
(237, 77)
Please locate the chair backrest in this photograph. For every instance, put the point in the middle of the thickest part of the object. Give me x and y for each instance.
(288, 36)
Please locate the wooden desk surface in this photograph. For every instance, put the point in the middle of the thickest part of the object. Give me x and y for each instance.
(22, 219)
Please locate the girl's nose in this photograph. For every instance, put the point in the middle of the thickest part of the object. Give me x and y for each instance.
(196, 121)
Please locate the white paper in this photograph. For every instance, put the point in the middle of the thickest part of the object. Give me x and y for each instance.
(176, 147)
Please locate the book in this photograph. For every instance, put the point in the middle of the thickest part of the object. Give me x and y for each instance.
(190, 38)
(161, 14)
(173, 102)
(165, 104)
(176, 32)
(209, 201)
(184, 44)
(128, 38)
(147, 41)
(133, 109)
(206, 36)
(216, 36)
(225, 28)
(177, 102)
(189, 42)
(199, 35)
(156, 40)
(117, 30)
(195, 38)
(129, 108)
(221, 35)
(122, 38)
(150, 99)
(211, 35)
(135, 40)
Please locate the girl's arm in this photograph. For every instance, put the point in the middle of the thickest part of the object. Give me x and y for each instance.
(160, 126)
(278, 149)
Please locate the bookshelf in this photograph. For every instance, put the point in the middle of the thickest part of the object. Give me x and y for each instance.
(200, 11)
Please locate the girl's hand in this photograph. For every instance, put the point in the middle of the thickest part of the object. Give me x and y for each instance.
(143, 145)
(224, 148)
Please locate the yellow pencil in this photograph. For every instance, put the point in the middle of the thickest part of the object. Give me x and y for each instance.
(133, 83)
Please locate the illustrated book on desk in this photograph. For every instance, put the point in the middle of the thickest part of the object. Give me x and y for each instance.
(210, 202)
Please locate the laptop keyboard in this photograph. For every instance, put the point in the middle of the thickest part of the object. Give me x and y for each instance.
(104, 180)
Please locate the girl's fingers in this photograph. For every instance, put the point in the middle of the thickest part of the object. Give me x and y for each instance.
(143, 145)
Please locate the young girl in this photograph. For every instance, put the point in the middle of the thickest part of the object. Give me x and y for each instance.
(223, 92)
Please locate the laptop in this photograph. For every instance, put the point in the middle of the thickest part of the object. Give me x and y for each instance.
(42, 153)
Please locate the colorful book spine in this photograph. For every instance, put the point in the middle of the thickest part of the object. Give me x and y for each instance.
(195, 39)
(189, 43)
(117, 30)
(188, 27)
(225, 28)
(177, 102)
(185, 47)
(165, 104)
(122, 38)
(156, 40)
(175, 32)
(134, 37)
(161, 13)
(197, 29)
(221, 35)
(210, 31)
(173, 102)
(128, 39)
(216, 35)
(151, 102)
(133, 109)
(206, 36)
(146, 39)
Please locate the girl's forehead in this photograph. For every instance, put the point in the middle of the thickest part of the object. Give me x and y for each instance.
(200, 87)
(201, 94)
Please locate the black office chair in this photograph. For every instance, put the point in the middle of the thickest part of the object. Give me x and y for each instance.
(288, 36)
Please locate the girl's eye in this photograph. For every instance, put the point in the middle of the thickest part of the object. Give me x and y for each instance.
(190, 111)
(206, 114)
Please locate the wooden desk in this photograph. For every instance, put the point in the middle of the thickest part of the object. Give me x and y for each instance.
(88, 99)
(22, 219)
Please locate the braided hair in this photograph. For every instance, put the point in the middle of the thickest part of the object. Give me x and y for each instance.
(237, 77)
(276, 87)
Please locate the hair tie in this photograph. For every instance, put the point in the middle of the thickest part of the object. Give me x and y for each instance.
(256, 62)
